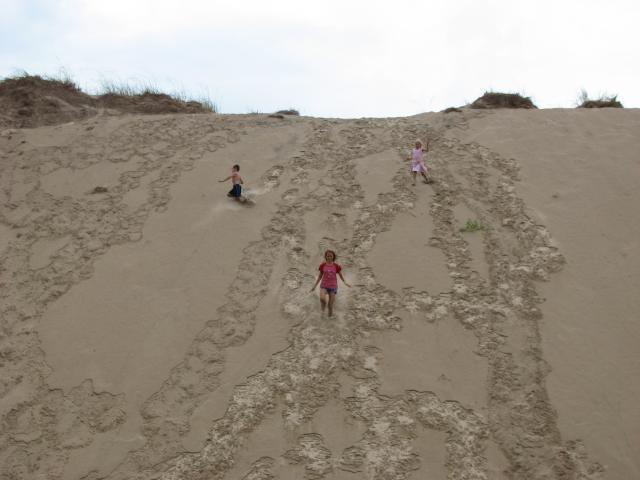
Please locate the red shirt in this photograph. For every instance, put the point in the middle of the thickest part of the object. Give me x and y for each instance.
(329, 275)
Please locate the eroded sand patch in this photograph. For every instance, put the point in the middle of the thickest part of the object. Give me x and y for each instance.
(92, 458)
(76, 182)
(437, 357)
(268, 338)
(375, 173)
(497, 463)
(269, 440)
(20, 185)
(337, 427)
(136, 197)
(329, 226)
(402, 257)
(43, 249)
(6, 236)
(430, 446)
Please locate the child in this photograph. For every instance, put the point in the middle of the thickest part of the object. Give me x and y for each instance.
(417, 162)
(329, 286)
(236, 180)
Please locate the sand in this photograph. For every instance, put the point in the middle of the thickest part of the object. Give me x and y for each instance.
(581, 182)
(153, 328)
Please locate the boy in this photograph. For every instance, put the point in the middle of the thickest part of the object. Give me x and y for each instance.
(236, 180)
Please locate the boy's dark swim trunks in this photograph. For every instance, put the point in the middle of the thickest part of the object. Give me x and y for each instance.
(236, 191)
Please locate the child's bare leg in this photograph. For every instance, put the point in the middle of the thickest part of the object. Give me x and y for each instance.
(413, 174)
(426, 179)
(332, 299)
(323, 300)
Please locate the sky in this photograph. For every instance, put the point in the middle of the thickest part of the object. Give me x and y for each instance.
(333, 58)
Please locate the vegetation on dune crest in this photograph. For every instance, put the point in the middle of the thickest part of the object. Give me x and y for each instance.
(605, 101)
(502, 100)
(32, 100)
(289, 111)
(150, 99)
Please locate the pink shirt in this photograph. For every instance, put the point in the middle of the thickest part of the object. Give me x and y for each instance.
(329, 275)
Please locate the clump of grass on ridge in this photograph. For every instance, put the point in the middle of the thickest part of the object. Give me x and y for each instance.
(604, 101)
(289, 111)
(502, 100)
(137, 90)
(126, 89)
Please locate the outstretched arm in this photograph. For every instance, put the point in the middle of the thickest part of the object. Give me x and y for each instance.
(224, 180)
(317, 282)
(343, 280)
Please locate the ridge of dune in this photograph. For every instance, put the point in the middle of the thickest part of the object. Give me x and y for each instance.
(154, 328)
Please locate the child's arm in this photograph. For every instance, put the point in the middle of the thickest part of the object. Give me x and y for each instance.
(317, 281)
(240, 178)
(427, 149)
(224, 179)
(343, 280)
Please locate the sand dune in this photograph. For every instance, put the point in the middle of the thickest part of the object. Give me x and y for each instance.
(154, 328)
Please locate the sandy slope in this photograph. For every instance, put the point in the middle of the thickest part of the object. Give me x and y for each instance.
(160, 330)
(579, 177)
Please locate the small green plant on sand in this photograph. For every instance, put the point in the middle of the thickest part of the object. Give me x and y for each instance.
(471, 226)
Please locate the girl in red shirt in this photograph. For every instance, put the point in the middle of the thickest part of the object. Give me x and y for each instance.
(329, 271)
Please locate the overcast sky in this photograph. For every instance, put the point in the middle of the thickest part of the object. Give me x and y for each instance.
(333, 58)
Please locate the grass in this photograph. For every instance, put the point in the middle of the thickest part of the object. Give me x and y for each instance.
(289, 111)
(604, 101)
(113, 92)
(472, 226)
(63, 76)
(127, 89)
(502, 100)
(208, 104)
(203, 99)
(62, 79)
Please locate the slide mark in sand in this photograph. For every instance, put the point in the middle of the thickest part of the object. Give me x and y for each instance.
(305, 372)
(42, 426)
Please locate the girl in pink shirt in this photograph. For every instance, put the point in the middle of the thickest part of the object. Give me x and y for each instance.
(417, 162)
(329, 271)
